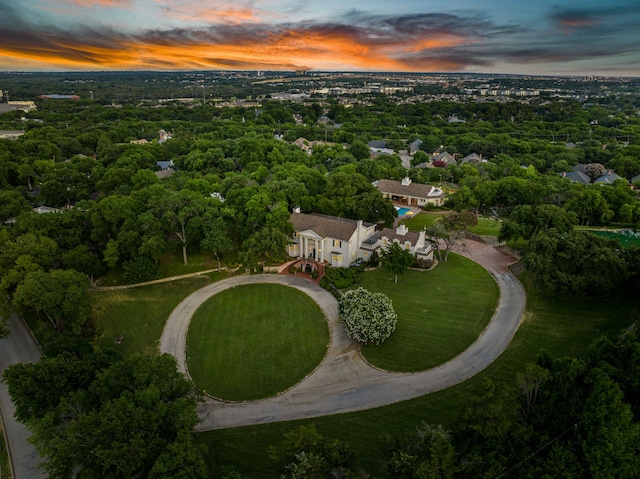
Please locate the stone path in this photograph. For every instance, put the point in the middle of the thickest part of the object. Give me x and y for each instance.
(344, 382)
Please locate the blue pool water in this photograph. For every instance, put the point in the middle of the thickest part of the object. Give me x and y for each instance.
(402, 211)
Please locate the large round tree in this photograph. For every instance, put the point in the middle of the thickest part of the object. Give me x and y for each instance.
(368, 317)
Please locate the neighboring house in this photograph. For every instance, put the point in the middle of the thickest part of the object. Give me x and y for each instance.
(414, 146)
(328, 238)
(575, 176)
(444, 156)
(425, 164)
(377, 144)
(59, 97)
(303, 144)
(165, 165)
(46, 209)
(413, 241)
(11, 134)
(635, 179)
(163, 136)
(341, 241)
(473, 158)
(378, 147)
(455, 119)
(608, 178)
(408, 193)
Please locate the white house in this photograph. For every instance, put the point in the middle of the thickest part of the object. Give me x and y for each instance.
(413, 241)
(328, 238)
(341, 241)
(408, 193)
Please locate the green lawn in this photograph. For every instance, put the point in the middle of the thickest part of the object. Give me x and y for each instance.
(139, 313)
(440, 313)
(487, 227)
(171, 265)
(255, 341)
(562, 327)
(422, 220)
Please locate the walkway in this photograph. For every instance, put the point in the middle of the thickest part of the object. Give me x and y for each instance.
(344, 382)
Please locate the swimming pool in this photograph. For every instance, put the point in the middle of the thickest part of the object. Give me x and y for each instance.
(402, 211)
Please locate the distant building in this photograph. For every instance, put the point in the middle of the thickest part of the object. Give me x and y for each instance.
(609, 177)
(408, 193)
(575, 176)
(59, 97)
(11, 134)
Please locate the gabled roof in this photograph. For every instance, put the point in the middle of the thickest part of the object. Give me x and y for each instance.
(326, 226)
(608, 178)
(417, 190)
(575, 176)
(473, 158)
(446, 157)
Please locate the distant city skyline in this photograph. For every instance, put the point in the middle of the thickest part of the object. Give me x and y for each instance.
(544, 37)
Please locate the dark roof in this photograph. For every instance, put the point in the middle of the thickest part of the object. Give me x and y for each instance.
(377, 144)
(326, 226)
(575, 176)
(609, 178)
(417, 190)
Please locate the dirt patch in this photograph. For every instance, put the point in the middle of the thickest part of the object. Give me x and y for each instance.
(494, 260)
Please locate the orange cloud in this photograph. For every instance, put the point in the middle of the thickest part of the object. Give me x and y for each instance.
(284, 50)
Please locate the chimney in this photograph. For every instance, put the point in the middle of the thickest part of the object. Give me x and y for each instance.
(296, 209)
(406, 181)
(402, 229)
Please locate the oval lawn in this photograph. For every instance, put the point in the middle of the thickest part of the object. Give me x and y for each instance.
(255, 341)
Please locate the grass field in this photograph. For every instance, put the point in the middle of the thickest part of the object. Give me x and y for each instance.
(440, 313)
(562, 327)
(139, 313)
(422, 220)
(255, 341)
(487, 227)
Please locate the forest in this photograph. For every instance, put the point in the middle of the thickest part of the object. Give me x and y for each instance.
(132, 182)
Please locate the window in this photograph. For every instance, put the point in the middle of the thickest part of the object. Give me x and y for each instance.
(337, 243)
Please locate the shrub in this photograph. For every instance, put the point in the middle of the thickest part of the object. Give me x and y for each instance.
(341, 277)
(140, 270)
(368, 317)
(423, 263)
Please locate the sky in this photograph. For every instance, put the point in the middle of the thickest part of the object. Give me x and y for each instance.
(534, 37)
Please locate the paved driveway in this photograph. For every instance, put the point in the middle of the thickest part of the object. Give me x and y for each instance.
(344, 382)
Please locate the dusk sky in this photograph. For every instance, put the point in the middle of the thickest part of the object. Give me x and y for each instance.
(562, 37)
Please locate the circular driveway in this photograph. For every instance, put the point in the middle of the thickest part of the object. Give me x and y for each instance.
(344, 382)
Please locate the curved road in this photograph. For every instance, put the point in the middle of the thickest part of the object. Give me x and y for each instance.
(344, 382)
(18, 347)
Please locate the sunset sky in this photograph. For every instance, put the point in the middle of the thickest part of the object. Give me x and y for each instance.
(561, 37)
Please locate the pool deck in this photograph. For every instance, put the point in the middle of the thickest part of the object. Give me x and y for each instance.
(413, 209)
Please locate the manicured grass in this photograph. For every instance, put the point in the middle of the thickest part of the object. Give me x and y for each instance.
(487, 227)
(440, 313)
(255, 341)
(561, 326)
(422, 220)
(139, 313)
